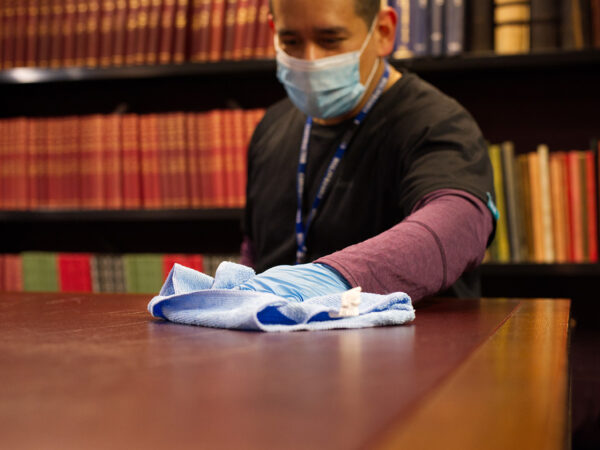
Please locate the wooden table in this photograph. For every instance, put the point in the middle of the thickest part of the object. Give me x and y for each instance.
(97, 371)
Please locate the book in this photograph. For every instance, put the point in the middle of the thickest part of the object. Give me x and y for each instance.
(546, 203)
(455, 27)
(193, 159)
(180, 32)
(142, 33)
(80, 31)
(55, 33)
(512, 26)
(13, 273)
(120, 33)
(228, 148)
(436, 28)
(237, 128)
(214, 167)
(75, 272)
(419, 30)
(545, 25)
(592, 205)
(131, 33)
(513, 205)
(149, 157)
(228, 34)
(55, 163)
(40, 273)
(559, 206)
(525, 198)
(108, 23)
(584, 202)
(92, 161)
(536, 207)
(200, 30)
(177, 163)
(165, 54)
(572, 34)
(239, 29)
(502, 244)
(70, 149)
(131, 171)
(595, 26)
(154, 26)
(68, 33)
(31, 40)
(93, 34)
(250, 36)
(204, 140)
(112, 161)
(8, 32)
(575, 207)
(20, 18)
(261, 48)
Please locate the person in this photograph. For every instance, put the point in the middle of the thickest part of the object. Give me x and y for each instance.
(364, 175)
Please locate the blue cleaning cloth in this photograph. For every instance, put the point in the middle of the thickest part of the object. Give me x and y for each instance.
(193, 298)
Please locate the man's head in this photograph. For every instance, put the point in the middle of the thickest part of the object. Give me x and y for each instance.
(365, 9)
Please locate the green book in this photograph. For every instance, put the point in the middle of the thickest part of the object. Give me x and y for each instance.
(150, 273)
(40, 272)
(503, 247)
(131, 273)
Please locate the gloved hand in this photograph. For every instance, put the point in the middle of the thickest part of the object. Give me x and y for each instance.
(299, 282)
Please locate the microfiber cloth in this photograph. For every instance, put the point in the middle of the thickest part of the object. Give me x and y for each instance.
(193, 298)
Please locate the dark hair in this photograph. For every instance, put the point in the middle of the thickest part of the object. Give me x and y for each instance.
(365, 9)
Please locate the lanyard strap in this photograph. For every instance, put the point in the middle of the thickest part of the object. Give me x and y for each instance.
(301, 228)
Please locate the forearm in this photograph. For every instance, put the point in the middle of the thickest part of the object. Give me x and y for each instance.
(445, 235)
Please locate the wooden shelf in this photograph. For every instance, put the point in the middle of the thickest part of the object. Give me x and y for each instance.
(464, 62)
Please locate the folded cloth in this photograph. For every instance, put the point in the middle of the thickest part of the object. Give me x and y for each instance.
(193, 298)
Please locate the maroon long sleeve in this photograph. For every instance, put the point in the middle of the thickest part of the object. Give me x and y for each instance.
(445, 235)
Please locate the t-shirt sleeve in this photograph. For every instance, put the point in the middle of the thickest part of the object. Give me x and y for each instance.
(448, 152)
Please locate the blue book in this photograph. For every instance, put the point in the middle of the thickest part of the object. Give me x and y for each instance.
(402, 45)
(419, 27)
(436, 38)
(455, 26)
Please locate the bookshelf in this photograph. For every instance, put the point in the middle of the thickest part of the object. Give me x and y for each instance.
(550, 97)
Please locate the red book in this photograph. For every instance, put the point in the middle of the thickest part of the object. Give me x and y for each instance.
(196, 262)
(31, 41)
(166, 168)
(91, 157)
(142, 32)
(113, 191)
(132, 197)
(193, 156)
(262, 30)
(229, 28)
(55, 163)
(1, 35)
(249, 38)
(68, 33)
(22, 142)
(131, 33)
(575, 206)
(169, 260)
(216, 163)
(149, 141)
(179, 161)
(241, 20)
(81, 17)
(227, 149)
(238, 130)
(36, 131)
(217, 25)
(200, 35)
(74, 271)
(152, 47)
(107, 31)
(6, 153)
(165, 54)
(120, 33)
(55, 33)
(8, 32)
(13, 273)
(72, 142)
(2, 273)
(2, 160)
(21, 14)
(204, 140)
(180, 31)
(592, 212)
(92, 38)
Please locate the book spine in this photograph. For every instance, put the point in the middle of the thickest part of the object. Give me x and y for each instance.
(142, 31)
(204, 141)
(68, 33)
(217, 24)
(503, 247)
(93, 34)
(403, 29)
(216, 163)
(436, 37)
(72, 168)
(249, 33)
(133, 9)
(5, 159)
(165, 158)
(54, 158)
(56, 23)
(591, 207)
(536, 207)
(544, 25)
(152, 49)
(229, 29)
(113, 189)
(584, 202)
(92, 170)
(2, 30)
(512, 27)
(3, 147)
(575, 213)
(239, 30)
(513, 207)
(180, 161)
(455, 27)
(558, 208)
(546, 203)
(419, 38)
(149, 140)
(107, 31)
(595, 16)
(120, 34)
(193, 156)
(132, 197)
(21, 14)
(180, 49)
(81, 32)
(8, 32)
(239, 157)
(167, 32)
(35, 132)
(228, 149)
(42, 35)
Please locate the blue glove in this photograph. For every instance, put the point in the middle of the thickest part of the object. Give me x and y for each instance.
(299, 282)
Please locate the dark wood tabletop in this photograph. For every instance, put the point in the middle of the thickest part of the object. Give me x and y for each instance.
(87, 371)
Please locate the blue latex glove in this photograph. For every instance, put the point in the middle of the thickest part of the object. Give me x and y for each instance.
(299, 282)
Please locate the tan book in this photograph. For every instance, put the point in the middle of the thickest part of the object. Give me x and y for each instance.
(512, 27)
(536, 207)
(546, 203)
(559, 206)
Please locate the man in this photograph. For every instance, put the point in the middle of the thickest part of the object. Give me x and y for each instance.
(364, 176)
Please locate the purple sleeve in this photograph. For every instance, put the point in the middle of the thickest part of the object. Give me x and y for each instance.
(445, 235)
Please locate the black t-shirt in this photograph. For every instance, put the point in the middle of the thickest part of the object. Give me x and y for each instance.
(414, 141)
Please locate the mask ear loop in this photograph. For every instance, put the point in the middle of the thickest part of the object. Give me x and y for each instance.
(362, 49)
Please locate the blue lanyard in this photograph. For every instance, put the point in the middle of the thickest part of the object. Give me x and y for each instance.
(301, 228)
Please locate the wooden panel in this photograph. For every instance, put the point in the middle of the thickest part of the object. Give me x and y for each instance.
(511, 393)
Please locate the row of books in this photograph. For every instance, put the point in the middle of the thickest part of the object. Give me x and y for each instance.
(92, 33)
(126, 161)
(85, 272)
(449, 27)
(548, 204)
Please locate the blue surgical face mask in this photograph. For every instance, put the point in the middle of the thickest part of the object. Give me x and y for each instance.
(327, 87)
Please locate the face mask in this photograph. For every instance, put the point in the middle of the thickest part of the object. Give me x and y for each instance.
(326, 87)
